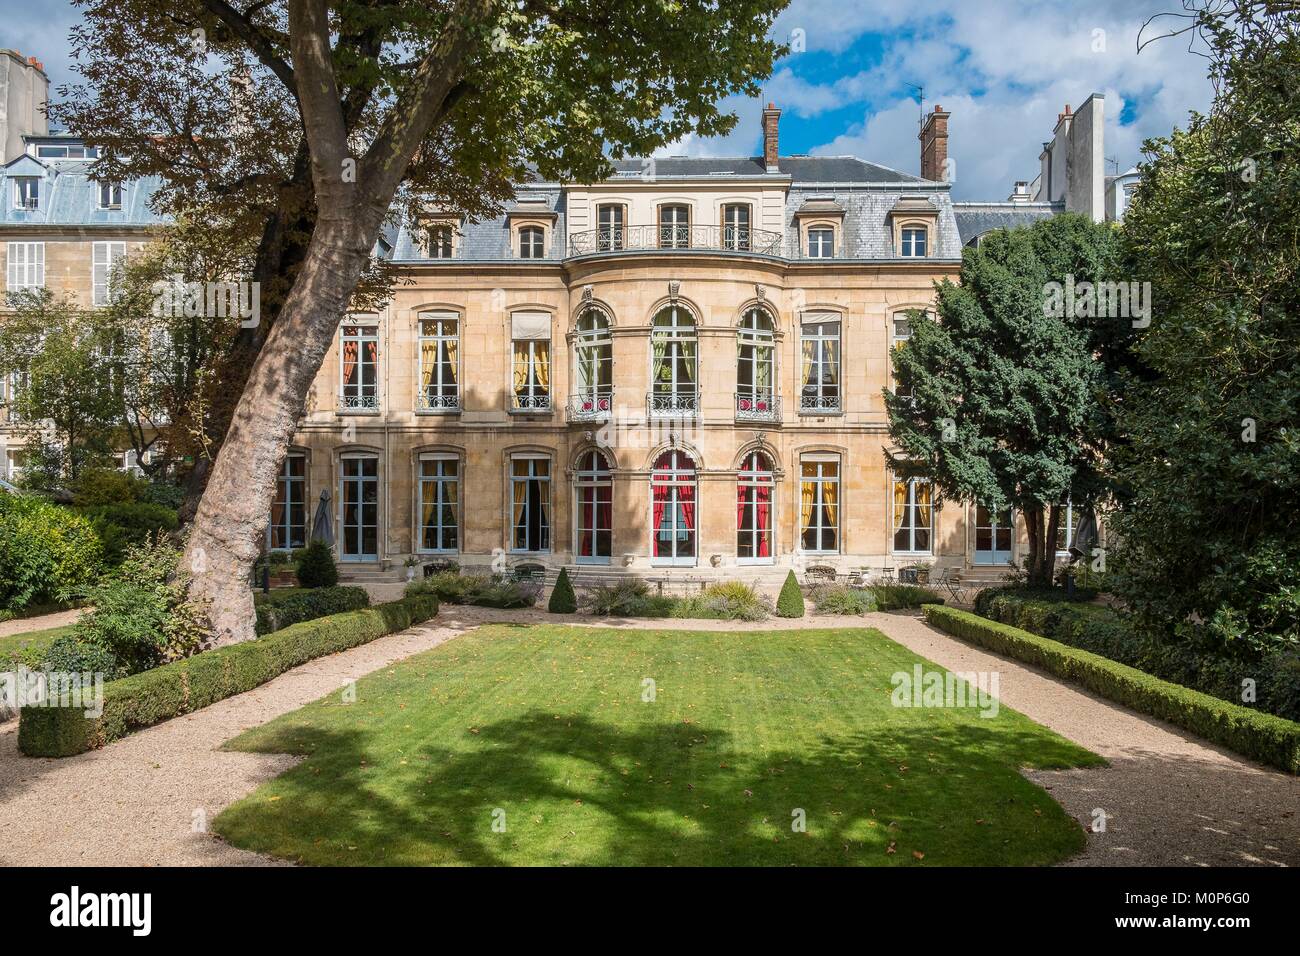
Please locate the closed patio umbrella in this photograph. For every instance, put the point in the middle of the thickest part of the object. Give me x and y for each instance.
(322, 526)
(1085, 536)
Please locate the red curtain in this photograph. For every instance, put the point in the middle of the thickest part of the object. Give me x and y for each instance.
(764, 496)
(660, 492)
(587, 512)
(742, 499)
(349, 360)
(604, 508)
(686, 495)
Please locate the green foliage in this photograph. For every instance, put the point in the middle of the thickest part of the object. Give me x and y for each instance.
(150, 697)
(47, 553)
(563, 600)
(484, 590)
(629, 597)
(162, 493)
(1264, 737)
(128, 524)
(1209, 534)
(732, 601)
(106, 486)
(789, 603)
(892, 597)
(999, 401)
(70, 655)
(141, 613)
(316, 568)
(842, 599)
(28, 648)
(275, 612)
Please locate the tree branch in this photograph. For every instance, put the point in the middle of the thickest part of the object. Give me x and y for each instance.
(242, 25)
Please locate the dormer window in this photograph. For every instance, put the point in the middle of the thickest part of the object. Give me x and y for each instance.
(110, 195)
(821, 242)
(913, 242)
(27, 192)
(532, 242)
(440, 240)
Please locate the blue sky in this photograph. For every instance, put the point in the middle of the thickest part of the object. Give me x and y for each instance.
(1003, 68)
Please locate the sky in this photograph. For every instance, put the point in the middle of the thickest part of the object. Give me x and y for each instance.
(1004, 69)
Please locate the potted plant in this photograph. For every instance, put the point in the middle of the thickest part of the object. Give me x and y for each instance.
(922, 570)
(411, 564)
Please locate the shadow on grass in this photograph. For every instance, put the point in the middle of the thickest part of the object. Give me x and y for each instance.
(572, 790)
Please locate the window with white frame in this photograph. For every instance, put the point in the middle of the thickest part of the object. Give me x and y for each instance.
(610, 227)
(27, 192)
(755, 361)
(14, 463)
(530, 334)
(674, 226)
(594, 494)
(672, 509)
(288, 528)
(439, 372)
(26, 266)
(439, 490)
(821, 242)
(913, 241)
(819, 349)
(532, 242)
(899, 333)
(913, 516)
(530, 503)
(673, 362)
(440, 240)
(755, 485)
(1067, 526)
(359, 367)
(105, 259)
(110, 195)
(594, 351)
(73, 151)
(819, 504)
(736, 226)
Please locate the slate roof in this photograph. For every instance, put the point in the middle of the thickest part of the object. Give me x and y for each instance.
(800, 169)
(69, 197)
(974, 219)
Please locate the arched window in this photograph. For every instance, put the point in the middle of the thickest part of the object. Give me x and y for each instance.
(755, 357)
(594, 487)
(672, 509)
(754, 487)
(593, 393)
(673, 369)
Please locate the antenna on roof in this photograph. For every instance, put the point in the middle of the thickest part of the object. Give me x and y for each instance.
(1114, 162)
(921, 94)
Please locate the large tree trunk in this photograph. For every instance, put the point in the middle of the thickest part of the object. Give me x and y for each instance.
(1040, 527)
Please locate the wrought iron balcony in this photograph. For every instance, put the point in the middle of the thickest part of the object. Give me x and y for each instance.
(426, 401)
(758, 407)
(535, 404)
(591, 406)
(358, 403)
(810, 403)
(673, 404)
(676, 238)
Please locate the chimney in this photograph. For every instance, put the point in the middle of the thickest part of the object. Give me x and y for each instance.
(934, 146)
(1020, 193)
(771, 151)
(24, 93)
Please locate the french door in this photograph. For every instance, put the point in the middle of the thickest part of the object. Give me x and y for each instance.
(359, 506)
(993, 534)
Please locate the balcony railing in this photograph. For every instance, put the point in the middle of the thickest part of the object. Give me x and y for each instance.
(536, 404)
(757, 407)
(674, 238)
(358, 403)
(810, 403)
(430, 402)
(672, 404)
(590, 406)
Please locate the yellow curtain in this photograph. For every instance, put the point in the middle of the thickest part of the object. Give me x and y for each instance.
(830, 496)
(922, 504)
(521, 497)
(807, 361)
(900, 504)
(805, 505)
(542, 363)
(521, 365)
(428, 360)
(428, 501)
(451, 361)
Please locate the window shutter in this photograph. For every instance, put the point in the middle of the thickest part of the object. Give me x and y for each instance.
(38, 265)
(530, 325)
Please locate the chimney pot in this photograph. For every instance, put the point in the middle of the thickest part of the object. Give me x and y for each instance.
(934, 146)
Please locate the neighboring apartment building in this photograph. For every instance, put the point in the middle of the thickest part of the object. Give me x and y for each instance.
(678, 370)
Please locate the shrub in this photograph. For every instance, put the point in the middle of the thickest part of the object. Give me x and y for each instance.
(276, 612)
(733, 601)
(563, 600)
(630, 597)
(840, 599)
(483, 590)
(184, 686)
(95, 487)
(69, 654)
(161, 493)
(47, 553)
(141, 612)
(789, 602)
(122, 526)
(316, 568)
(1265, 737)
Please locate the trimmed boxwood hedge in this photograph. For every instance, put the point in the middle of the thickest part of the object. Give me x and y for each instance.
(276, 612)
(1271, 740)
(162, 693)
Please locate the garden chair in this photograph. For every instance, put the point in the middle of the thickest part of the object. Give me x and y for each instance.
(951, 581)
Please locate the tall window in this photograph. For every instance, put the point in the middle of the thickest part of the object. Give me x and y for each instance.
(26, 265)
(594, 489)
(610, 227)
(819, 346)
(110, 195)
(439, 239)
(439, 501)
(531, 336)
(530, 517)
(439, 373)
(754, 486)
(913, 515)
(359, 368)
(672, 509)
(735, 226)
(532, 242)
(821, 242)
(674, 226)
(27, 192)
(899, 334)
(755, 356)
(289, 509)
(105, 257)
(913, 241)
(1067, 525)
(594, 381)
(673, 368)
(819, 503)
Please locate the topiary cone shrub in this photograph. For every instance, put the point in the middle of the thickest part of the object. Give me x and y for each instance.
(790, 601)
(563, 600)
(316, 566)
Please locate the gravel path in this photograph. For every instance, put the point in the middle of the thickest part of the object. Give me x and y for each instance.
(44, 622)
(1169, 798)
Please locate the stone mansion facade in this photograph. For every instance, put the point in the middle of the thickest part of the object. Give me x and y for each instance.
(676, 371)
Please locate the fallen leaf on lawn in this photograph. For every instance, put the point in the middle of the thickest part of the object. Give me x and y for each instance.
(918, 854)
(890, 849)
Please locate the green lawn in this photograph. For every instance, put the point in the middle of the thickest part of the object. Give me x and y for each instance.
(31, 641)
(548, 725)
